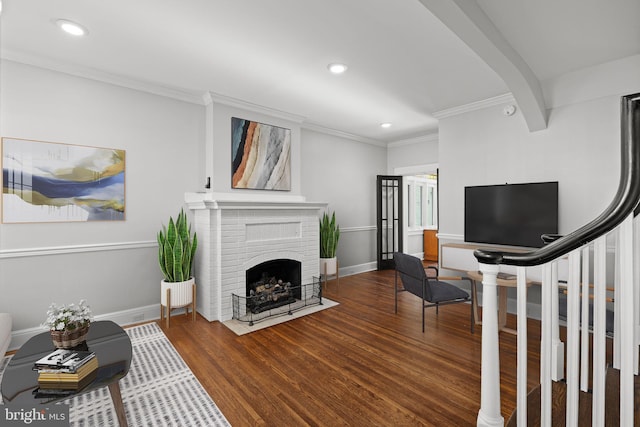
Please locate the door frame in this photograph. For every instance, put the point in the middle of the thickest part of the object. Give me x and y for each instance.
(387, 263)
(423, 169)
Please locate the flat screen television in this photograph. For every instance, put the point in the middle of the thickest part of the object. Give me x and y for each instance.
(511, 214)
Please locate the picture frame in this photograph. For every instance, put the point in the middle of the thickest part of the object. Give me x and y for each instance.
(260, 156)
(57, 182)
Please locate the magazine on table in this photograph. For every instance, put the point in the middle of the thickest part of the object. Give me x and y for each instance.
(64, 360)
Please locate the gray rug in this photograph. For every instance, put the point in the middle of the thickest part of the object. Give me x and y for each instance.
(159, 390)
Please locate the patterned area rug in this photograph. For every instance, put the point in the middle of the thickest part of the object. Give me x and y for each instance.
(159, 390)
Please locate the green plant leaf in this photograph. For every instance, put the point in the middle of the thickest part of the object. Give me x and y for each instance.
(329, 235)
(176, 249)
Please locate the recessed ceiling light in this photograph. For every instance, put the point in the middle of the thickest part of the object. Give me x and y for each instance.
(337, 68)
(71, 27)
(385, 125)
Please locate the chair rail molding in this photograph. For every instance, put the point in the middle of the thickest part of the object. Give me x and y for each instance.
(71, 249)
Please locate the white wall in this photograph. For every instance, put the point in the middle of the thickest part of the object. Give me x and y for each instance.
(407, 157)
(110, 264)
(412, 152)
(579, 149)
(218, 141)
(342, 172)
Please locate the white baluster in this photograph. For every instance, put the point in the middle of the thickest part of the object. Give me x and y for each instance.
(522, 347)
(573, 313)
(490, 414)
(616, 301)
(636, 289)
(545, 348)
(557, 358)
(599, 331)
(625, 298)
(584, 341)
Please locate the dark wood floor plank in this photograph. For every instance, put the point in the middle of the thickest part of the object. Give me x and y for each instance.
(356, 364)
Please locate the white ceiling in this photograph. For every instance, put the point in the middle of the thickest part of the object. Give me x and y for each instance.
(404, 63)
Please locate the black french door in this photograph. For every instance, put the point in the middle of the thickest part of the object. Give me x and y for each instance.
(389, 219)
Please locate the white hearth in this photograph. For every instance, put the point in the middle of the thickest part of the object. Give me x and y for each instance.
(237, 232)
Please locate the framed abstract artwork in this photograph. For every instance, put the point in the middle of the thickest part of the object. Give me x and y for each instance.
(54, 182)
(260, 156)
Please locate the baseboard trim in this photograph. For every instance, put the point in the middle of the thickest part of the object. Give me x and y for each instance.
(355, 269)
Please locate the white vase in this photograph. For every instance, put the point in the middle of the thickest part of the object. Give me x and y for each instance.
(181, 293)
(329, 266)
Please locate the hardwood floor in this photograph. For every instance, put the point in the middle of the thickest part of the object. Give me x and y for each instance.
(355, 364)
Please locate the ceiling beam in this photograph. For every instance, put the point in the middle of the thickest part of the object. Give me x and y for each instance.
(468, 21)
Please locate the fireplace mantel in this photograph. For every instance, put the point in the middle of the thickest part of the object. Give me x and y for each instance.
(240, 201)
(237, 231)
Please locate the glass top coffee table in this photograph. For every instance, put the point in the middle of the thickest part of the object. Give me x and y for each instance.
(107, 340)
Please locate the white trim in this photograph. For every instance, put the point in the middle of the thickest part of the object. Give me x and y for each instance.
(416, 170)
(357, 229)
(212, 97)
(430, 137)
(122, 318)
(473, 106)
(340, 134)
(102, 76)
(360, 268)
(446, 236)
(71, 249)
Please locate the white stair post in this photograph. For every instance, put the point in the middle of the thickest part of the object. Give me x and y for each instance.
(490, 414)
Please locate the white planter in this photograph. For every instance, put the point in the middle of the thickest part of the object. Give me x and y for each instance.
(181, 293)
(329, 266)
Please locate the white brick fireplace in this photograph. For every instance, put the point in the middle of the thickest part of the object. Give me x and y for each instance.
(237, 232)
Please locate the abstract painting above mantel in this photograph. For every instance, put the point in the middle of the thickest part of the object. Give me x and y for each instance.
(55, 182)
(260, 156)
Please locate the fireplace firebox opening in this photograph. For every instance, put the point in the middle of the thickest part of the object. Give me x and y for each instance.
(272, 284)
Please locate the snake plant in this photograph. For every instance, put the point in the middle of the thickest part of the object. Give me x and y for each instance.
(329, 236)
(176, 249)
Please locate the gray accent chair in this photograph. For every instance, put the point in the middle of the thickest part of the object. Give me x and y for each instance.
(433, 291)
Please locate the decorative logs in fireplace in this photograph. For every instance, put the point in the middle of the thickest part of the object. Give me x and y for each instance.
(272, 284)
(268, 293)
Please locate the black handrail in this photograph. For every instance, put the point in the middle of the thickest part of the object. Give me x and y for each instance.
(624, 202)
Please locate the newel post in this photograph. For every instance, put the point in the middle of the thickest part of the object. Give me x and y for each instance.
(490, 414)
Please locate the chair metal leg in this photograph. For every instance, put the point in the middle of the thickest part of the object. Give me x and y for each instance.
(473, 320)
(395, 291)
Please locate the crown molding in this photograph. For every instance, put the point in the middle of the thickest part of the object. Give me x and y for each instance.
(473, 106)
(340, 134)
(101, 76)
(212, 97)
(430, 137)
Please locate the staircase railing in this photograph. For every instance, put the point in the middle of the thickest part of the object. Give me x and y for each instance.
(575, 249)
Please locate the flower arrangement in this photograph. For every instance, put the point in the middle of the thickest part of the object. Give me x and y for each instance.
(68, 317)
(68, 324)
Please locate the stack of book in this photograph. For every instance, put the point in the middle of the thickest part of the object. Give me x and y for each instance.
(66, 370)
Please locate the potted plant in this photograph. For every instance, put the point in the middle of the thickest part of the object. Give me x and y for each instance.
(68, 324)
(176, 249)
(329, 236)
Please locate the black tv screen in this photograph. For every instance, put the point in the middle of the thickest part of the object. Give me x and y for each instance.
(511, 214)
